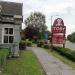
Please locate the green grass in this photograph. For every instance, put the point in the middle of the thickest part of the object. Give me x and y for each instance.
(62, 58)
(4, 52)
(26, 64)
(3, 56)
(33, 44)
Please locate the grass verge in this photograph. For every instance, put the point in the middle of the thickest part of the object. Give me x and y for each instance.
(33, 44)
(62, 58)
(26, 64)
(4, 52)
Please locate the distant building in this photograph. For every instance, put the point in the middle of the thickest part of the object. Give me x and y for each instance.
(10, 25)
(22, 33)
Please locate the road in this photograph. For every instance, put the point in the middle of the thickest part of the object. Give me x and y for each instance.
(68, 44)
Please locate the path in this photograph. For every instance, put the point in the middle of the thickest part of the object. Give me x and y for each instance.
(50, 64)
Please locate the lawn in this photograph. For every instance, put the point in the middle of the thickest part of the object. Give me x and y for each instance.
(3, 56)
(62, 58)
(26, 64)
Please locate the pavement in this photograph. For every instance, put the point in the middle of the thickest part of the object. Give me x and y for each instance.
(50, 64)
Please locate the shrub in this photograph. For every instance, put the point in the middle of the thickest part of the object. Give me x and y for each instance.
(29, 44)
(40, 44)
(46, 46)
(71, 37)
(22, 45)
(65, 52)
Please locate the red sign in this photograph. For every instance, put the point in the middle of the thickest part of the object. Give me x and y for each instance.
(58, 31)
(58, 22)
(59, 40)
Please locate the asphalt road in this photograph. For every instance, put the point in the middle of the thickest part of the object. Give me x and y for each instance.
(70, 45)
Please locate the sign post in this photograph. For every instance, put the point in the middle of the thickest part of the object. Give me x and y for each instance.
(58, 32)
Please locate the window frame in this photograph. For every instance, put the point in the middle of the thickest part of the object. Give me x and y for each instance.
(3, 34)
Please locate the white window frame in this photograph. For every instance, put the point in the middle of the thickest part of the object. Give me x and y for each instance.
(7, 35)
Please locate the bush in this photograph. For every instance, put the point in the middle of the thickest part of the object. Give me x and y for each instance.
(65, 52)
(71, 37)
(40, 44)
(29, 44)
(22, 45)
(46, 46)
(35, 42)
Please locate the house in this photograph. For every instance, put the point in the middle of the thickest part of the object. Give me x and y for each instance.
(10, 25)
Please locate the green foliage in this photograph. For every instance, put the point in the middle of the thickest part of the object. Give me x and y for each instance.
(36, 20)
(65, 52)
(71, 37)
(22, 45)
(28, 42)
(35, 24)
(40, 44)
(46, 46)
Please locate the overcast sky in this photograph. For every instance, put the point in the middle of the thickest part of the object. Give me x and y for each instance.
(64, 9)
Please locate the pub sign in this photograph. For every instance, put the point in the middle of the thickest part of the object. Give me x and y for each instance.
(58, 32)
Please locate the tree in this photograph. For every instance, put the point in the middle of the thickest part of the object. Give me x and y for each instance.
(29, 32)
(36, 23)
(71, 37)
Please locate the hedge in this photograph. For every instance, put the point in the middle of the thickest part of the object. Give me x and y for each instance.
(46, 46)
(22, 45)
(70, 54)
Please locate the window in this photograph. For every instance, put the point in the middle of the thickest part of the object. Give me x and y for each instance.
(8, 36)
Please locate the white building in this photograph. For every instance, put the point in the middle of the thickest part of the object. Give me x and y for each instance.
(10, 25)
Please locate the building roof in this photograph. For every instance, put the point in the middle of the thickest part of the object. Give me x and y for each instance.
(11, 8)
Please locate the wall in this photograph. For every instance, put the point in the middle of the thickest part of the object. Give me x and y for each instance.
(17, 38)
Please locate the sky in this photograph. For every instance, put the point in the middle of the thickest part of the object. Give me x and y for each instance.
(64, 9)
